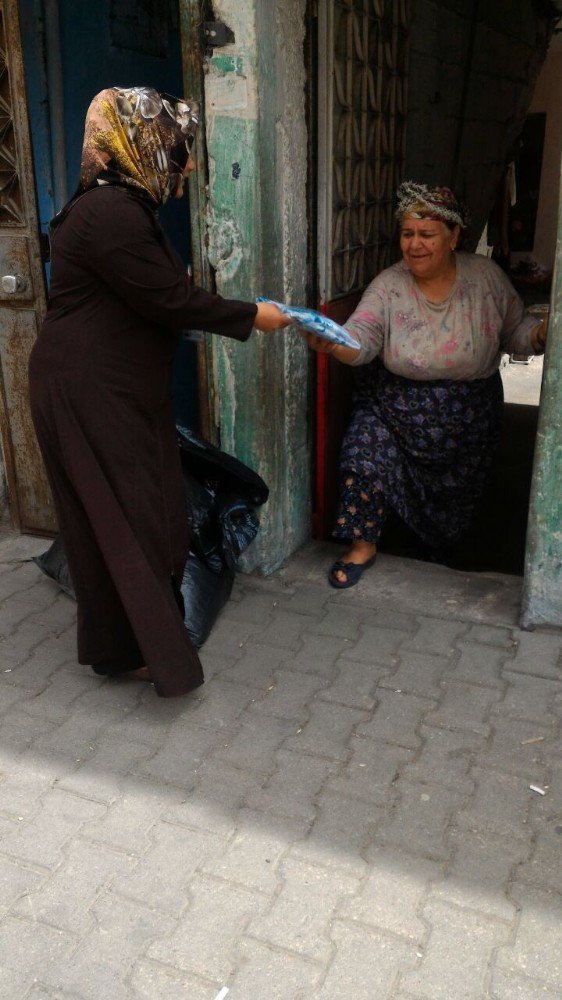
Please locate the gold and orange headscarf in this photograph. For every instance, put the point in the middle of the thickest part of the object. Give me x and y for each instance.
(138, 137)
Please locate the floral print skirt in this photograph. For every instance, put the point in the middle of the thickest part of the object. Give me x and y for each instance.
(421, 448)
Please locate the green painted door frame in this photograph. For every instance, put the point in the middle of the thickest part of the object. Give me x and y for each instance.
(542, 588)
(249, 238)
(191, 13)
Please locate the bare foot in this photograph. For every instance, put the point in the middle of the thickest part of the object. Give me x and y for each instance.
(141, 674)
(359, 553)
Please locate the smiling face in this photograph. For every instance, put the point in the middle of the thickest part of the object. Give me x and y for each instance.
(427, 246)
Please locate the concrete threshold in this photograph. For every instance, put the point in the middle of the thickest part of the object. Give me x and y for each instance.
(410, 585)
(396, 583)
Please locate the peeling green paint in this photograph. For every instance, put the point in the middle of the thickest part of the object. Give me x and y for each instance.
(257, 245)
(234, 242)
(224, 64)
(228, 64)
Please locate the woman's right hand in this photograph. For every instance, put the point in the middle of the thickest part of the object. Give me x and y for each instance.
(347, 355)
(269, 317)
(319, 344)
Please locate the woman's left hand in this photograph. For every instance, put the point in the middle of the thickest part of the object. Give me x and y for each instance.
(538, 336)
(269, 317)
(347, 355)
(319, 344)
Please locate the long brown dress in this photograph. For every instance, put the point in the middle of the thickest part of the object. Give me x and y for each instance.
(100, 397)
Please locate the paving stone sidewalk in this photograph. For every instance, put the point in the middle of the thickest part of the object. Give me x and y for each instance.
(343, 811)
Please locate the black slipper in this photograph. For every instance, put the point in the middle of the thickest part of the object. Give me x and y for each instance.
(353, 571)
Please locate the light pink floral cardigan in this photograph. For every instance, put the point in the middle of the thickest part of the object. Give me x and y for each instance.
(460, 338)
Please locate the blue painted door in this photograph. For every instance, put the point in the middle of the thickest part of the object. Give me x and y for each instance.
(71, 52)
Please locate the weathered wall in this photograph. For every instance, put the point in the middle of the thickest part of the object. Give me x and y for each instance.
(473, 68)
(548, 99)
(256, 137)
(542, 591)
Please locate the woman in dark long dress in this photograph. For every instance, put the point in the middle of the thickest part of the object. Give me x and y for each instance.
(100, 375)
(430, 331)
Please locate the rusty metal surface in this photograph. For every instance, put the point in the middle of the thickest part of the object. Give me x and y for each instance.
(11, 196)
(14, 260)
(20, 313)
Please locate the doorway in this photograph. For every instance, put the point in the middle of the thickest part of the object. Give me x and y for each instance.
(361, 111)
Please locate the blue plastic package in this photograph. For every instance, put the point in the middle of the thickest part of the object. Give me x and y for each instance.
(315, 322)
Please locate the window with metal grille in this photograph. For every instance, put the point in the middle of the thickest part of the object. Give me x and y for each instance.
(363, 56)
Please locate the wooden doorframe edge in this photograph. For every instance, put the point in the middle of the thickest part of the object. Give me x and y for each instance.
(10, 10)
(9, 463)
(16, 75)
(191, 17)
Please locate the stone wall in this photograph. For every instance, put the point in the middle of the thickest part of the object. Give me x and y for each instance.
(257, 239)
(473, 68)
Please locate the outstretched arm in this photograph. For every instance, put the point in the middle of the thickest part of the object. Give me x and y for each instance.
(127, 249)
(347, 355)
(538, 335)
(269, 317)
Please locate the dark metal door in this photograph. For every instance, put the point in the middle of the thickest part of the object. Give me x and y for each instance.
(22, 290)
(362, 93)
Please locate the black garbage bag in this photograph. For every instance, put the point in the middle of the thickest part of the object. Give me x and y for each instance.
(222, 518)
(205, 462)
(200, 506)
(221, 496)
(238, 525)
(204, 594)
(204, 591)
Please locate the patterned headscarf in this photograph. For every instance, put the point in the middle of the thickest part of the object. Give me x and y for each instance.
(138, 137)
(438, 203)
